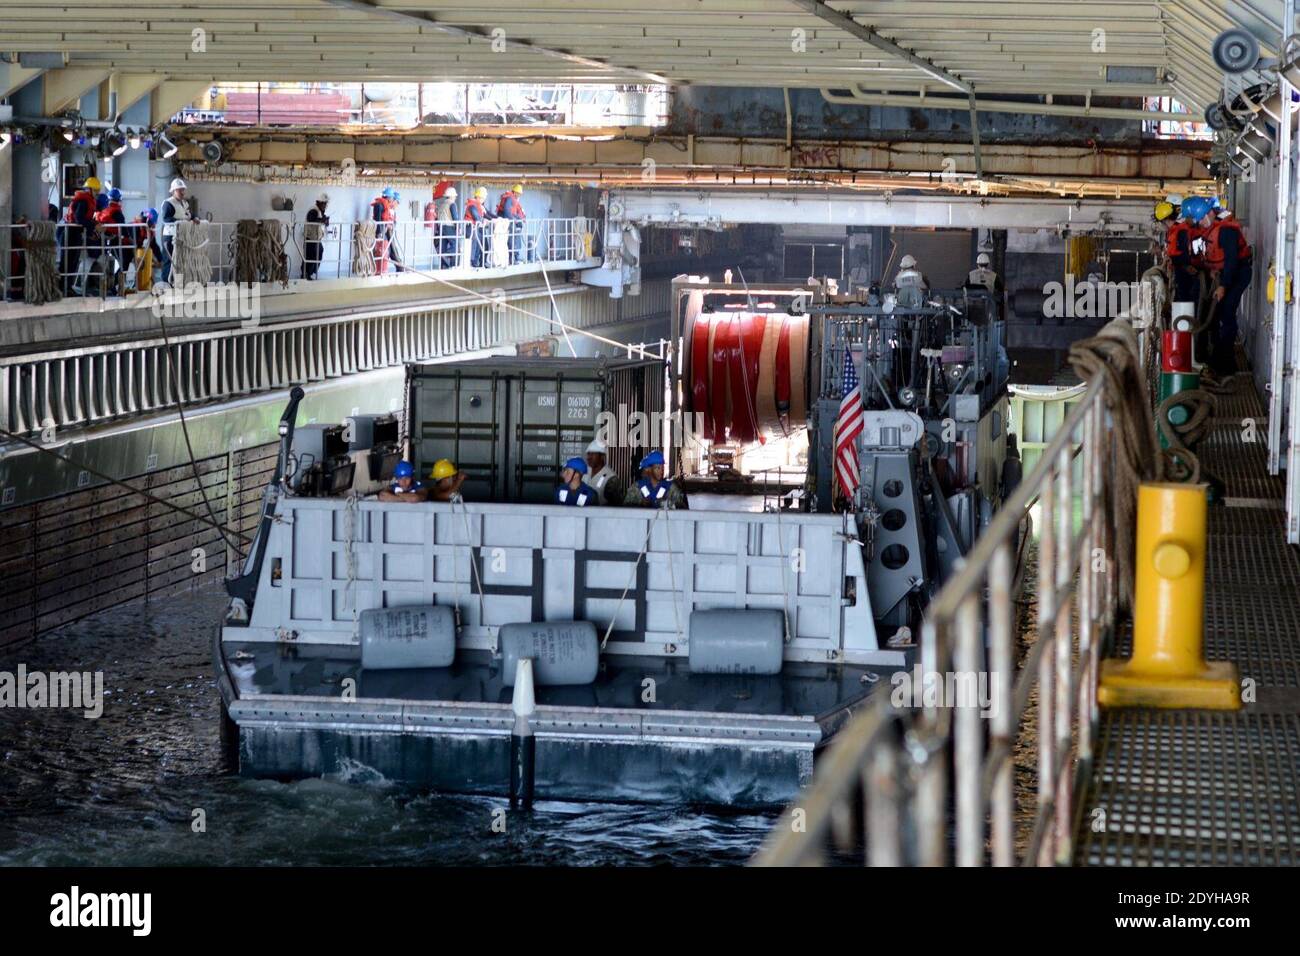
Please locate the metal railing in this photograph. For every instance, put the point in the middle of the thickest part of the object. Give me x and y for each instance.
(92, 264)
(892, 761)
(63, 387)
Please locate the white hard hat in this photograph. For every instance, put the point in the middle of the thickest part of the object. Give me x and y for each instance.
(1174, 199)
(908, 262)
(177, 183)
(597, 447)
(451, 192)
(982, 259)
(323, 197)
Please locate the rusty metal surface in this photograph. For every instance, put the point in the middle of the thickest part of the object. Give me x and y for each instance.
(622, 156)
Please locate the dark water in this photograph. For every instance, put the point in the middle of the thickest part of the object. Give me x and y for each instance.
(123, 789)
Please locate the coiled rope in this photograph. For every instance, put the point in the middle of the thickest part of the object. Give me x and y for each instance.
(190, 261)
(1112, 356)
(363, 248)
(41, 273)
(257, 250)
(1181, 463)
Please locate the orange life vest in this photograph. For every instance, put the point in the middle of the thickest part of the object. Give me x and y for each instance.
(1214, 257)
(1177, 229)
(509, 206)
(81, 195)
(474, 205)
(106, 214)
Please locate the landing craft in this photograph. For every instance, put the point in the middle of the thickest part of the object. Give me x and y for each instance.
(762, 614)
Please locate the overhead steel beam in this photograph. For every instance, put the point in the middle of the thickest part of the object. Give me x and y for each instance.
(824, 11)
(426, 20)
(856, 97)
(718, 208)
(13, 77)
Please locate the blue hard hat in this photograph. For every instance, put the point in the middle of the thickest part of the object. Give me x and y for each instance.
(656, 457)
(577, 464)
(151, 214)
(115, 195)
(396, 195)
(387, 193)
(1195, 208)
(404, 469)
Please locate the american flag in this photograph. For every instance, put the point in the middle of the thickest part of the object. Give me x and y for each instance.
(848, 426)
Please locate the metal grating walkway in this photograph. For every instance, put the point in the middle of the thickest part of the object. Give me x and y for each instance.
(1197, 788)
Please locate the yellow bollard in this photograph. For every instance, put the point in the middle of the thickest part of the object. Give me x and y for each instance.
(1167, 668)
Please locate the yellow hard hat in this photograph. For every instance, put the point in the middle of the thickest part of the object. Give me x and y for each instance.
(442, 468)
(93, 183)
(1164, 210)
(480, 193)
(518, 187)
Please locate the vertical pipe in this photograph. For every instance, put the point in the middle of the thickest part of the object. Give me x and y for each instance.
(1283, 267)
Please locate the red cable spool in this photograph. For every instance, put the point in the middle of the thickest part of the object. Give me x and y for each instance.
(741, 422)
(783, 369)
(741, 374)
(753, 326)
(699, 371)
(718, 390)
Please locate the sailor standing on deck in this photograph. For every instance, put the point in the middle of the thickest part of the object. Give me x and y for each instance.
(911, 283)
(604, 480)
(984, 275)
(573, 491)
(653, 490)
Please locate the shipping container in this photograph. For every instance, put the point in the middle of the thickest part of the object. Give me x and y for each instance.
(510, 422)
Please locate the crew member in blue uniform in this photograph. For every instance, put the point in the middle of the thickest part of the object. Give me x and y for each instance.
(653, 490)
(405, 487)
(573, 490)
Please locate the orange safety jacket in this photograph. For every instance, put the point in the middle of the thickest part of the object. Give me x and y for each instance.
(1178, 231)
(81, 195)
(509, 206)
(1214, 257)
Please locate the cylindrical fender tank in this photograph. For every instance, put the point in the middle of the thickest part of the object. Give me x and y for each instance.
(563, 652)
(417, 636)
(737, 641)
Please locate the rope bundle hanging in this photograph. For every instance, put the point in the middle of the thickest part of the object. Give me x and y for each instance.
(190, 261)
(41, 273)
(257, 250)
(1112, 355)
(363, 248)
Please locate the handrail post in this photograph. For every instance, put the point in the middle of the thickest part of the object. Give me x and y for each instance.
(1062, 699)
(1002, 679)
(967, 763)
